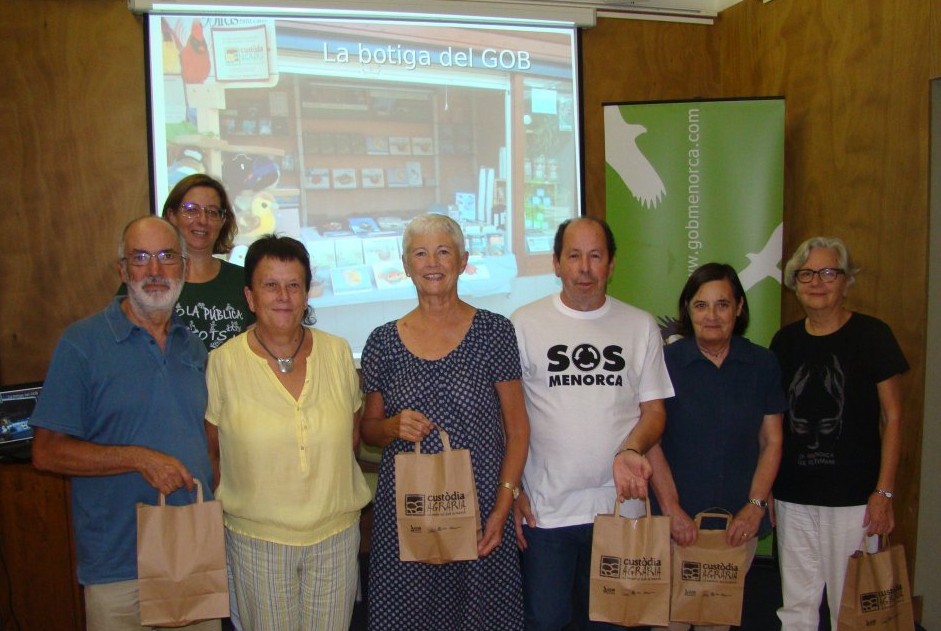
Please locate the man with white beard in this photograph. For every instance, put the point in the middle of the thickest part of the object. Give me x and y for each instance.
(121, 412)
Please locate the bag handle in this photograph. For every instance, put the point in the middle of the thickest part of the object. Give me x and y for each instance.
(617, 507)
(162, 501)
(445, 439)
(882, 542)
(708, 513)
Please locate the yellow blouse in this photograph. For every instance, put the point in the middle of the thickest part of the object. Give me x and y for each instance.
(288, 471)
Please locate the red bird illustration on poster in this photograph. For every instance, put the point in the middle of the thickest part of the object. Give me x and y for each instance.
(194, 56)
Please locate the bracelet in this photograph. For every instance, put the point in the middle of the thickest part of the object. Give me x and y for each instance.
(760, 503)
(623, 449)
(886, 494)
(515, 490)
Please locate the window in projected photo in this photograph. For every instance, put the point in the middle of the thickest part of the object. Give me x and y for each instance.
(339, 132)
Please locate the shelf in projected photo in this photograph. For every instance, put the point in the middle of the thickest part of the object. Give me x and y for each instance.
(490, 276)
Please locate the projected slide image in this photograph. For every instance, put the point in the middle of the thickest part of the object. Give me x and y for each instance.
(344, 178)
(323, 254)
(423, 146)
(318, 178)
(349, 128)
(351, 279)
(377, 145)
(389, 275)
(373, 178)
(381, 250)
(400, 146)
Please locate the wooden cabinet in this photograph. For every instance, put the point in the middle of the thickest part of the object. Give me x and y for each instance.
(38, 585)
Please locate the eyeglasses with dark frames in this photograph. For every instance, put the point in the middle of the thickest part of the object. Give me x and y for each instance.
(826, 274)
(140, 258)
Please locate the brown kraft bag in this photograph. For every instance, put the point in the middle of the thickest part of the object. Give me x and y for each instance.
(709, 578)
(876, 593)
(436, 510)
(630, 570)
(181, 571)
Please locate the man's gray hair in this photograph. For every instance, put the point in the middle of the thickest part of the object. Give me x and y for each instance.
(179, 236)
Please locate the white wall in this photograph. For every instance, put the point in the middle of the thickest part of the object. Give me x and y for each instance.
(928, 567)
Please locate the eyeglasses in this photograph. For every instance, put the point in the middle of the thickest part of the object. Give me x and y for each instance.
(140, 258)
(826, 274)
(191, 211)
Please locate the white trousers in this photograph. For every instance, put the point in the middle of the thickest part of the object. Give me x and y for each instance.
(814, 544)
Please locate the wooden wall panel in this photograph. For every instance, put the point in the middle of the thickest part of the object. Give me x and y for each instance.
(74, 135)
(630, 60)
(934, 40)
(855, 76)
(74, 138)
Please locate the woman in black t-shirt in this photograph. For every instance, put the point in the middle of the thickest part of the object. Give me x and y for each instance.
(840, 371)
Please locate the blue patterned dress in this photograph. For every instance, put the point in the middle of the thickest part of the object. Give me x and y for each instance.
(458, 393)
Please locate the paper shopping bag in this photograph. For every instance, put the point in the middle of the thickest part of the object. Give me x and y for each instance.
(708, 578)
(181, 562)
(436, 510)
(876, 592)
(630, 570)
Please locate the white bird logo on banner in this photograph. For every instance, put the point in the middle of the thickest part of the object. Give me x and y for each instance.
(764, 263)
(624, 156)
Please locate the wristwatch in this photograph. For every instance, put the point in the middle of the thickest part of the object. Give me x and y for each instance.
(515, 490)
(886, 494)
(762, 504)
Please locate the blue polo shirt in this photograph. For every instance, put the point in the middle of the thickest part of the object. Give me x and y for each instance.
(110, 384)
(713, 422)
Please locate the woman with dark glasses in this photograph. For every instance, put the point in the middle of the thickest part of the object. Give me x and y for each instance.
(841, 371)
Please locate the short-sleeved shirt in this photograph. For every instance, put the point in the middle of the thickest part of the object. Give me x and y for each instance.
(832, 442)
(713, 423)
(288, 471)
(110, 384)
(585, 374)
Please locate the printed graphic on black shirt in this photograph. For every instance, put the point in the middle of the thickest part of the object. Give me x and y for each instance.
(817, 396)
(211, 323)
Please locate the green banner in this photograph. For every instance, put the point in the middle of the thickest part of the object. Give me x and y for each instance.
(692, 182)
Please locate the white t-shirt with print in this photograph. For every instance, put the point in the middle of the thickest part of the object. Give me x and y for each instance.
(585, 374)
